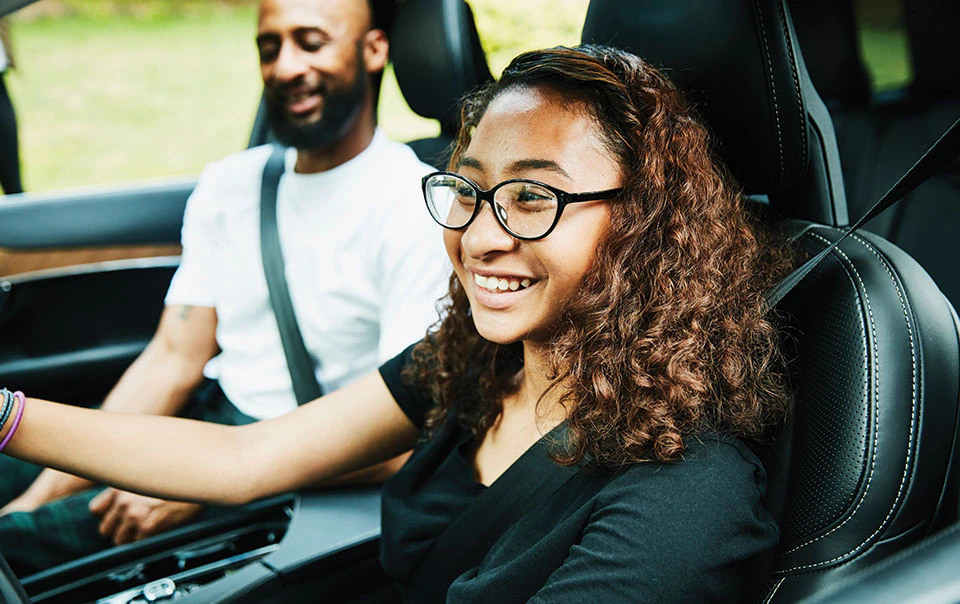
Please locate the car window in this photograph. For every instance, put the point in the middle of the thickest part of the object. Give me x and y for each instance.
(111, 93)
(508, 28)
(115, 92)
(883, 42)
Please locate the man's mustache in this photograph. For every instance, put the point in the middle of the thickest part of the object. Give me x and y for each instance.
(282, 92)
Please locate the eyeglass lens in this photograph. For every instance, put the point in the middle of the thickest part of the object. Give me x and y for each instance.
(525, 208)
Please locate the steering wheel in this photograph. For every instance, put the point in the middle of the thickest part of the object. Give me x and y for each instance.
(10, 589)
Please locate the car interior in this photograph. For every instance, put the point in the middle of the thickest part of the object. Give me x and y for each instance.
(875, 341)
(864, 478)
(881, 135)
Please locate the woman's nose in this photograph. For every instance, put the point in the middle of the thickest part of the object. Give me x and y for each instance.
(485, 235)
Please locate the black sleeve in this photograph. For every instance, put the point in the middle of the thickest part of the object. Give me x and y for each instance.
(411, 400)
(685, 537)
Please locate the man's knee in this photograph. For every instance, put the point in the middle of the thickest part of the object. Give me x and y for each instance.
(51, 535)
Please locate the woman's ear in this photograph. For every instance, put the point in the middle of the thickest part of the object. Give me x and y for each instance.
(376, 50)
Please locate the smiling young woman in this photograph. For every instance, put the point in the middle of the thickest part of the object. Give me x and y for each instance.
(655, 322)
(606, 311)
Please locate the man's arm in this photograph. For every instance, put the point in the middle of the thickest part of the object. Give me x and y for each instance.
(164, 376)
(159, 382)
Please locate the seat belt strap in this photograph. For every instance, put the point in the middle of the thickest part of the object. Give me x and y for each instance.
(299, 363)
(937, 157)
(532, 479)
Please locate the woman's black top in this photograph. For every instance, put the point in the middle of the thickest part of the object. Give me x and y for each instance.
(657, 532)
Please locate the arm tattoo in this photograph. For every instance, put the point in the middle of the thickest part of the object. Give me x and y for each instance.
(185, 312)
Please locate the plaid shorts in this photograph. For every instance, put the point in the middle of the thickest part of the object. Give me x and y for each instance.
(65, 530)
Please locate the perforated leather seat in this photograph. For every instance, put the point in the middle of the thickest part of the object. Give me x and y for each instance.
(867, 464)
(437, 58)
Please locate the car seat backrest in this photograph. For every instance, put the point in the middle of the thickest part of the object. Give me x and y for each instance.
(739, 63)
(827, 32)
(437, 58)
(866, 465)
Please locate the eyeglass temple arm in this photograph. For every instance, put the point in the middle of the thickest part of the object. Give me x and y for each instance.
(593, 196)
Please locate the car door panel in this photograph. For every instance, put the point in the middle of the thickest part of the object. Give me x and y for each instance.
(94, 217)
(68, 333)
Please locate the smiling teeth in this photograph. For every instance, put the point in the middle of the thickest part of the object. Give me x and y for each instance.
(500, 284)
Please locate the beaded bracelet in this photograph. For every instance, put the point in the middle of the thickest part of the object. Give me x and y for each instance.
(16, 420)
(7, 406)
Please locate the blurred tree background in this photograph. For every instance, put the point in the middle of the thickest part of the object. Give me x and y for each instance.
(108, 91)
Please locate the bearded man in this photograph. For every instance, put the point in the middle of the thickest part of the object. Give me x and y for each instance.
(364, 266)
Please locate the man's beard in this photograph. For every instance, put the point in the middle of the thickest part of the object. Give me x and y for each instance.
(339, 110)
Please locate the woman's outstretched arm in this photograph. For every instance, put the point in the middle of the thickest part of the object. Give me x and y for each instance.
(174, 458)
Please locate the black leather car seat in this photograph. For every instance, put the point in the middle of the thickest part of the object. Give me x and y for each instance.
(925, 572)
(827, 32)
(867, 465)
(775, 136)
(437, 58)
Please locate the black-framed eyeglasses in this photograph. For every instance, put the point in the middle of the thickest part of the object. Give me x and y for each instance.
(526, 209)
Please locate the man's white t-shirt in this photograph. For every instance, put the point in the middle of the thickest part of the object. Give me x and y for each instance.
(365, 265)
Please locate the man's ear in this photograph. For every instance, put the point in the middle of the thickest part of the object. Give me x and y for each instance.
(376, 50)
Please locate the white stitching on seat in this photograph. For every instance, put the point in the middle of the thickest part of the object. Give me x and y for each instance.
(773, 591)
(913, 411)
(773, 91)
(796, 81)
(876, 397)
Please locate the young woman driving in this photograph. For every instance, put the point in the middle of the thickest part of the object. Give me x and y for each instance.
(605, 309)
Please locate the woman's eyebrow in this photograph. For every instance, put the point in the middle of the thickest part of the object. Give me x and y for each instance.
(470, 162)
(518, 166)
(537, 164)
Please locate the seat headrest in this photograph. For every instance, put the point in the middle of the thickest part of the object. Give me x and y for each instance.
(934, 46)
(827, 30)
(437, 57)
(739, 63)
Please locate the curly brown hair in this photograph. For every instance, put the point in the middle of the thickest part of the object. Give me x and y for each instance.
(669, 335)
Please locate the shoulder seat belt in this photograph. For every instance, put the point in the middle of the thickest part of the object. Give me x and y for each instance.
(299, 363)
(936, 158)
(533, 478)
